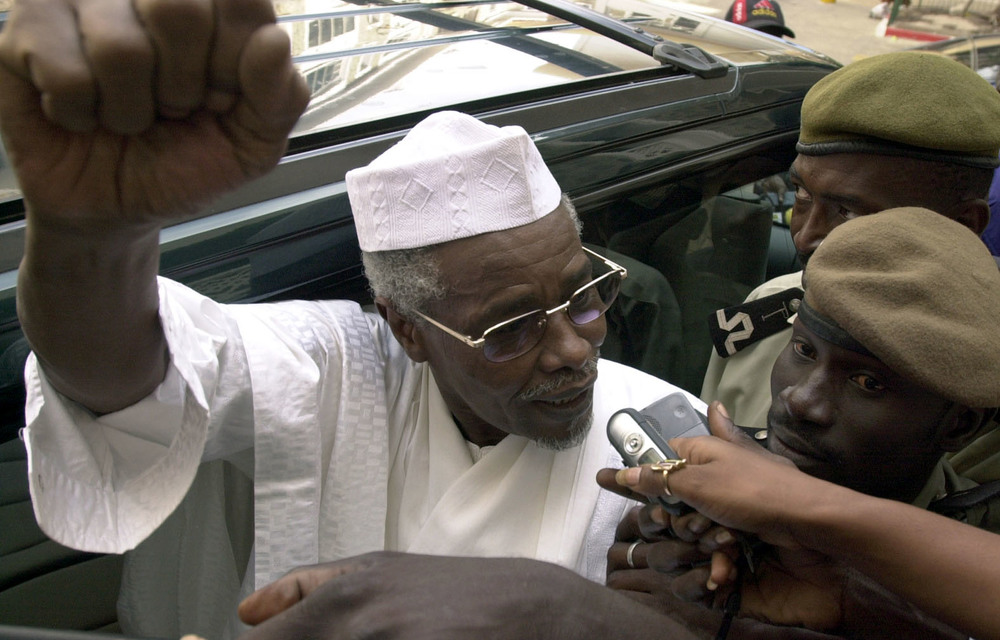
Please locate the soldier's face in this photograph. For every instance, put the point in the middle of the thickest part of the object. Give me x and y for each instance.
(832, 189)
(849, 419)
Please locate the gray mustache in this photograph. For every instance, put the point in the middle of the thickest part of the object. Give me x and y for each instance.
(561, 380)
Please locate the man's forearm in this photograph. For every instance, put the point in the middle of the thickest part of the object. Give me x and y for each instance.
(88, 305)
(949, 569)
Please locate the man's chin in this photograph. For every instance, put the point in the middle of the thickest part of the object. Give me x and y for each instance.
(574, 437)
(806, 462)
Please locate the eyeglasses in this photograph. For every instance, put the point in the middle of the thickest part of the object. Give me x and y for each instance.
(517, 336)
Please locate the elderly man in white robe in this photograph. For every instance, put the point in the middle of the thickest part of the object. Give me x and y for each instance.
(456, 419)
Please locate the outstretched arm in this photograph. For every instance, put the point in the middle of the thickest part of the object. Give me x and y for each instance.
(120, 118)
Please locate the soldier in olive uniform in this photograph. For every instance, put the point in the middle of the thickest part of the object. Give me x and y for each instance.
(894, 130)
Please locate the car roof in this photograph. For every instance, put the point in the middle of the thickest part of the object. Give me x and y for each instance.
(381, 66)
(366, 62)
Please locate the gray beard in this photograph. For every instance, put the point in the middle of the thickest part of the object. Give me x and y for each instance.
(578, 431)
(580, 427)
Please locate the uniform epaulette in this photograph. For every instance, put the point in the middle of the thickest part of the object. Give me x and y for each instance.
(735, 328)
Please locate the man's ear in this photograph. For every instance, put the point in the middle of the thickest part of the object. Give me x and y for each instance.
(963, 425)
(407, 333)
(973, 213)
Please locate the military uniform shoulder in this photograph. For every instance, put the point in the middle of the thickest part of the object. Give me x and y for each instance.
(777, 285)
(735, 328)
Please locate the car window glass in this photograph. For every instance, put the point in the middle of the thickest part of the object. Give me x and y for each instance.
(363, 65)
(691, 247)
(987, 62)
(365, 62)
(987, 56)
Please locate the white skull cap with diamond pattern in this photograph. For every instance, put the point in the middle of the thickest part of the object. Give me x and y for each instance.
(450, 177)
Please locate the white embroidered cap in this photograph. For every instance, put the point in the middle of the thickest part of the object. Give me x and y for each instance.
(450, 177)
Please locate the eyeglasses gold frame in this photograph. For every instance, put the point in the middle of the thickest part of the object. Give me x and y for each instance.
(477, 343)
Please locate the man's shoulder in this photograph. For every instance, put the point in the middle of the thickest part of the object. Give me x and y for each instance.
(776, 285)
(619, 373)
(634, 387)
(172, 290)
(280, 329)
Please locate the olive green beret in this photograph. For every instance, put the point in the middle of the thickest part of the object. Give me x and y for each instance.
(921, 292)
(907, 103)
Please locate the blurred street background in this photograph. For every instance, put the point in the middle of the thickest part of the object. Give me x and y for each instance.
(840, 29)
(844, 30)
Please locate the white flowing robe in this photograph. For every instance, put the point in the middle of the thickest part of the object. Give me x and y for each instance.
(353, 450)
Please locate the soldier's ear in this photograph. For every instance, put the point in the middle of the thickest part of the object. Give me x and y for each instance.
(973, 213)
(964, 424)
(407, 333)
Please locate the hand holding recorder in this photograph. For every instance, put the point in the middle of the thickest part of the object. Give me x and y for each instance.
(642, 436)
(895, 544)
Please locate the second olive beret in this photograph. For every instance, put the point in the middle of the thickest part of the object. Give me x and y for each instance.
(919, 291)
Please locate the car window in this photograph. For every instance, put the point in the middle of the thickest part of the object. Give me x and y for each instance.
(987, 62)
(988, 54)
(363, 65)
(691, 247)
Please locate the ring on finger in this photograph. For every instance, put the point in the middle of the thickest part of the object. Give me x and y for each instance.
(665, 467)
(629, 559)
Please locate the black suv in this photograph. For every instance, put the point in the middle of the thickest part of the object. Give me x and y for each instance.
(671, 131)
